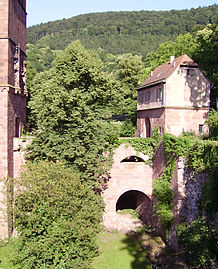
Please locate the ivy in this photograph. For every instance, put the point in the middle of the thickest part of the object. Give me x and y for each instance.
(147, 146)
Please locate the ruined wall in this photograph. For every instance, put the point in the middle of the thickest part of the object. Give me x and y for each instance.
(188, 192)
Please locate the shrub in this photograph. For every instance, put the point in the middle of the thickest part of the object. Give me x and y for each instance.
(200, 241)
(57, 218)
(212, 122)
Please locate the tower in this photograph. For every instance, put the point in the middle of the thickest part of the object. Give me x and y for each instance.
(12, 80)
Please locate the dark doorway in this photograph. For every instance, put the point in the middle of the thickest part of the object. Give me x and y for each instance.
(147, 127)
(131, 200)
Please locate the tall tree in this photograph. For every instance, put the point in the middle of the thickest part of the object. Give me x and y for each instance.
(69, 106)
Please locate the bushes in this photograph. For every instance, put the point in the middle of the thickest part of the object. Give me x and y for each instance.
(200, 240)
(57, 218)
(212, 122)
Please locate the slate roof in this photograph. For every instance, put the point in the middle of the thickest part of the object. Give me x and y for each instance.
(162, 72)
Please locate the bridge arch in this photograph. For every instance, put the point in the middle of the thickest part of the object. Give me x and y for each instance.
(131, 199)
(132, 159)
(130, 179)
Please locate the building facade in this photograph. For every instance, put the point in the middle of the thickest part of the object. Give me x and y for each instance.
(13, 90)
(174, 98)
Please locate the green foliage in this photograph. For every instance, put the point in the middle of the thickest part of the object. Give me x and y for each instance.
(209, 194)
(137, 32)
(201, 46)
(147, 146)
(206, 55)
(131, 212)
(57, 218)
(163, 193)
(127, 129)
(200, 155)
(200, 241)
(69, 106)
(212, 122)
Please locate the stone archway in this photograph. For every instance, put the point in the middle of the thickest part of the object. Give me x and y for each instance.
(130, 179)
(131, 199)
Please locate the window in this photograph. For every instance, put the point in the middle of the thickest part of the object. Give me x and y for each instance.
(200, 129)
(190, 72)
(141, 97)
(158, 94)
(147, 97)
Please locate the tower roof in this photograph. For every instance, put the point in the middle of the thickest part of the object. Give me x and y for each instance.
(163, 71)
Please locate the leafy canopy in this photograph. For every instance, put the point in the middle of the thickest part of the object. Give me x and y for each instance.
(57, 218)
(69, 106)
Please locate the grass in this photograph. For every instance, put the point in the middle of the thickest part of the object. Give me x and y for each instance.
(5, 254)
(118, 250)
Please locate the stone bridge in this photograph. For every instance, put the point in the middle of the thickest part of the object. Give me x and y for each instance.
(129, 186)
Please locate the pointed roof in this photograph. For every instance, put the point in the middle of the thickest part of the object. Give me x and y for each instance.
(163, 71)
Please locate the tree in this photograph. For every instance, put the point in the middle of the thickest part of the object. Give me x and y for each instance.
(206, 55)
(57, 218)
(212, 122)
(69, 104)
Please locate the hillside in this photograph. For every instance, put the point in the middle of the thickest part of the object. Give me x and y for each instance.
(138, 32)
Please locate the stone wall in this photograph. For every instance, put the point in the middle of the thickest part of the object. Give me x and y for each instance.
(188, 192)
(187, 187)
(124, 177)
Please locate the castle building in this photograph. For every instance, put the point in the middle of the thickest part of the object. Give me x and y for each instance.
(13, 90)
(175, 97)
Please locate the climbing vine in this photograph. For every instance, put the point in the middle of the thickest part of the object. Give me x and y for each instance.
(147, 146)
(200, 155)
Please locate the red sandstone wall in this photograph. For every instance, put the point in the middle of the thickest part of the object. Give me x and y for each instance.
(156, 117)
(17, 23)
(188, 120)
(125, 177)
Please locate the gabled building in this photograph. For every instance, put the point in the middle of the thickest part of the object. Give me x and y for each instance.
(175, 97)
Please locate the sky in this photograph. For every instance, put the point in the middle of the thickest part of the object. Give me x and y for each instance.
(41, 11)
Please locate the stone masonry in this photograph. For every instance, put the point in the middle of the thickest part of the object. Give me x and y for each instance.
(12, 86)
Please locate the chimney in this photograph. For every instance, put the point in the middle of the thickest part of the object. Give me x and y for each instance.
(151, 73)
(172, 58)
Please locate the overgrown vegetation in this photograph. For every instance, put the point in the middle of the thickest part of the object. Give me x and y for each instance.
(200, 155)
(147, 146)
(200, 240)
(57, 218)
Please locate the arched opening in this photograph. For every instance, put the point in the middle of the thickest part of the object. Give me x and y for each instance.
(132, 159)
(147, 127)
(131, 200)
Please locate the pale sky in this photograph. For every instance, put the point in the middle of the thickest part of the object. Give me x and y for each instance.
(40, 11)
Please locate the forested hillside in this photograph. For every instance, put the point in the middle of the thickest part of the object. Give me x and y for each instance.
(137, 32)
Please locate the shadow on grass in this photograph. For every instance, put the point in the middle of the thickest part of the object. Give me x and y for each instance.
(136, 251)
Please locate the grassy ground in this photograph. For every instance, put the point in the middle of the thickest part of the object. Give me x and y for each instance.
(118, 251)
(5, 253)
(121, 251)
